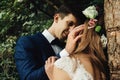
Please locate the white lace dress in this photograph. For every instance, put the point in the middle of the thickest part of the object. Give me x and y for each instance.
(75, 70)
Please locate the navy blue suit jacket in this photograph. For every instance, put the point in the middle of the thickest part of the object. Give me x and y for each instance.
(30, 55)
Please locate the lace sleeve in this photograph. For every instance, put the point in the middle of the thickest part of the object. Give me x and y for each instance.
(74, 68)
(66, 64)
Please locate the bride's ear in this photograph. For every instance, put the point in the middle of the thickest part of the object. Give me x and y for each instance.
(92, 23)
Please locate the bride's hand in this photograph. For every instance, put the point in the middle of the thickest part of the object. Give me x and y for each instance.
(49, 65)
(73, 37)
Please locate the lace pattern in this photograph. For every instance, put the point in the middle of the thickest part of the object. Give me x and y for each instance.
(75, 70)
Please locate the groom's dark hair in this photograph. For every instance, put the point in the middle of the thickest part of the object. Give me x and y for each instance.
(66, 9)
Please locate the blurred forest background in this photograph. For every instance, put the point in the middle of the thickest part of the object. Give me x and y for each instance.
(23, 17)
(19, 18)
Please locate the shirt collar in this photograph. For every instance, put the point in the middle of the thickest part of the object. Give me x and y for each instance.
(48, 35)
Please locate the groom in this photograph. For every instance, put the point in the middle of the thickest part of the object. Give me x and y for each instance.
(31, 52)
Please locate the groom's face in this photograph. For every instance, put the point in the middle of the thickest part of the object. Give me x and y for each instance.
(64, 26)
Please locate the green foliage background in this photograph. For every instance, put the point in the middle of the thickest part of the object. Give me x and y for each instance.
(19, 18)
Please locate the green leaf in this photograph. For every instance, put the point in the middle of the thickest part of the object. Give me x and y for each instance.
(98, 28)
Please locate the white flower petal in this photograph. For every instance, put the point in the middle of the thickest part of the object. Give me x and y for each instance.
(103, 41)
(90, 12)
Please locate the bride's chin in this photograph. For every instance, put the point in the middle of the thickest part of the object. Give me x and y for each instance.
(64, 35)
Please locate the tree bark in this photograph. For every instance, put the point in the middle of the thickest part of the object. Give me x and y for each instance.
(112, 25)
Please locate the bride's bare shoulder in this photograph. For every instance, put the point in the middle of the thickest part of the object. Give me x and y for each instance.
(59, 74)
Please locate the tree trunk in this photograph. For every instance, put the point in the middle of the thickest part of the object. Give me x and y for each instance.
(112, 25)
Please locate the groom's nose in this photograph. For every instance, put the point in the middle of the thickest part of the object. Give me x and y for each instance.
(71, 28)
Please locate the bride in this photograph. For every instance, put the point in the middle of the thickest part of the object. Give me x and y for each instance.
(88, 60)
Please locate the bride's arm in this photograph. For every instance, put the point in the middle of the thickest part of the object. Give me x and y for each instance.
(59, 74)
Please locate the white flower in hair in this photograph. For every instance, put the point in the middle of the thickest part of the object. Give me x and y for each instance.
(103, 41)
(90, 12)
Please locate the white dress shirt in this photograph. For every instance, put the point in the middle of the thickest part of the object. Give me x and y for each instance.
(57, 49)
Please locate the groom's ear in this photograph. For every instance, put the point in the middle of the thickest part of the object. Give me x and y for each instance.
(56, 17)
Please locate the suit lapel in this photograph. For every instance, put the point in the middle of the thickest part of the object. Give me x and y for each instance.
(43, 46)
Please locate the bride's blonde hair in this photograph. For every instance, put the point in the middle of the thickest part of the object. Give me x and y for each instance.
(90, 44)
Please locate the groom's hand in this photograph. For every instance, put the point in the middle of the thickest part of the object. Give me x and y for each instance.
(73, 37)
(49, 65)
